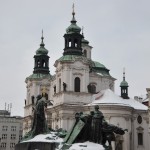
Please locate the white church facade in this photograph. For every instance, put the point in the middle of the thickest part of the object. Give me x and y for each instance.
(78, 85)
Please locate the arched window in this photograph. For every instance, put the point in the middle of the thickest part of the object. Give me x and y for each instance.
(32, 98)
(140, 138)
(59, 85)
(93, 88)
(38, 63)
(85, 53)
(77, 84)
(75, 43)
(69, 43)
(43, 63)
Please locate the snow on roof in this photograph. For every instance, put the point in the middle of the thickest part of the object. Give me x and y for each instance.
(145, 100)
(49, 138)
(108, 97)
(86, 146)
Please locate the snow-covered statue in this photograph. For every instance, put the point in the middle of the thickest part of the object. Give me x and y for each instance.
(93, 128)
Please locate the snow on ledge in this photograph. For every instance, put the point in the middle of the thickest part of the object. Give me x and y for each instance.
(48, 138)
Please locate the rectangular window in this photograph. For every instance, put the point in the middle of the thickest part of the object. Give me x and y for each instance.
(3, 145)
(140, 138)
(13, 136)
(4, 136)
(13, 128)
(4, 128)
(12, 145)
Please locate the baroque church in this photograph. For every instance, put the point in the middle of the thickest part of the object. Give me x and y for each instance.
(78, 85)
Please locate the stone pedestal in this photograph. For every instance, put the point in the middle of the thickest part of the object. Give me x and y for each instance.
(35, 146)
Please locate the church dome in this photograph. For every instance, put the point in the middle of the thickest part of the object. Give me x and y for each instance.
(124, 83)
(100, 68)
(73, 28)
(42, 50)
(96, 64)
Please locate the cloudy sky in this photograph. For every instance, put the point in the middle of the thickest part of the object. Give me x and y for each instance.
(118, 30)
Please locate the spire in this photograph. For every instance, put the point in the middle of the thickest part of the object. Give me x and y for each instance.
(124, 87)
(73, 15)
(123, 74)
(42, 38)
(42, 50)
(84, 41)
(124, 83)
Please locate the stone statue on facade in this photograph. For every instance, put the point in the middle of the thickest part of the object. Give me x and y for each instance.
(64, 86)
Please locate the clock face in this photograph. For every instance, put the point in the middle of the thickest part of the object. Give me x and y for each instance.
(139, 119)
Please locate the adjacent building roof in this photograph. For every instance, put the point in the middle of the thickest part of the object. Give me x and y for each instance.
(108, 97)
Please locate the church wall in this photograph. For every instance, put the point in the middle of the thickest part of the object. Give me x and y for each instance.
(71, 97)
(102, 83)
(67, 72)
(141, 128)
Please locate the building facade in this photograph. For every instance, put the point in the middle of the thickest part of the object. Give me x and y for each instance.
(78, 85)
(10, 130)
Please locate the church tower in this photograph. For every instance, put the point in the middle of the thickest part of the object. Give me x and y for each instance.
(124, 87)
(73, 38)
(72, 69)
(37, 83)
(41, 64)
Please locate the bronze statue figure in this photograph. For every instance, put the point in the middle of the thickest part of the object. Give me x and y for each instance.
(39, 125)
(93, 128)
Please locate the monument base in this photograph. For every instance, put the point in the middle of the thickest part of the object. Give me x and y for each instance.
(35, 146)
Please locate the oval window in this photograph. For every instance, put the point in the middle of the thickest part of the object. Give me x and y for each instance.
(139, 119)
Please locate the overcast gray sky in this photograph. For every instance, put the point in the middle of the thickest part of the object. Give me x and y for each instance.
(118, 30)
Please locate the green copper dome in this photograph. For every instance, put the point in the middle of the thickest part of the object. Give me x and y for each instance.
(73, 28)
(99, 68)
(97, 64)
(124, 83)
(42, 50)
